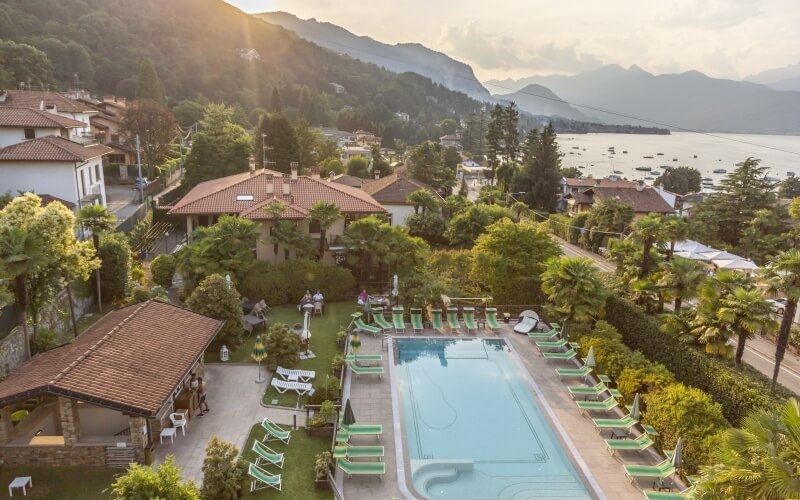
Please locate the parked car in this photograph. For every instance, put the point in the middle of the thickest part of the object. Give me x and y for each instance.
(778, 305)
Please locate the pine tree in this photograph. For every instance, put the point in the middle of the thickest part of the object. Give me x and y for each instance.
(494, 136)
(510, 132)
(281, 142)
(275, 102)
(541, 170)
(148, 85)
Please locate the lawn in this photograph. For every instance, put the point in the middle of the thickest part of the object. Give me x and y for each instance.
(297, 474)
(57, 483)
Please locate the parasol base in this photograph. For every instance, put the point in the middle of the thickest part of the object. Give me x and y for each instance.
(307, 355)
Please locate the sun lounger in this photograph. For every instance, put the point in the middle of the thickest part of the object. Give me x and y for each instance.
(354, 357)
(416, 320)
(361, 468)
(639, 444)
(302, 375)
(582, 390)
(526, 324)
(660, 471)
(606, 405)
(663, 495)
(491, 319)
(275, 432)
(544, 336)
(267, 454)
(625, 422)
(545, 344)
(380, 320)
(301, 388)
(348, 451)
(397, 319)
(452, 319)
(436, 320)
(262, 479)
(360, 325)
(347, 431)
(365, 370)
(574, 372)
(563, 356)
(468, 314)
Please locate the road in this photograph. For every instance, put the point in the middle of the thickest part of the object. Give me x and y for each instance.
(759, 351)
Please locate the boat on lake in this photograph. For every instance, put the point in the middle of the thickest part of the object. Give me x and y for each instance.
(644, 168)
(649, 157)
(616, 171)
(707, 179)
(789, 174)
(659, 154)
(624, 152)
(720, 171)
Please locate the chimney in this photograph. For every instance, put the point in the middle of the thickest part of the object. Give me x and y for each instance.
(270, 184)
(377, 174)
(640, 186)
(252, 166)
(597, 182)
(286, 186)
(294, 166)
(314, 171)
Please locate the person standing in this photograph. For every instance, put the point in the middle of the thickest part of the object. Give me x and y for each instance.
(203, 404)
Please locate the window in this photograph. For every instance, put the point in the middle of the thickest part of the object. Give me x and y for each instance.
(244, 197)
(30, 133)
(97, 172)
(314, 227)
(83, 183)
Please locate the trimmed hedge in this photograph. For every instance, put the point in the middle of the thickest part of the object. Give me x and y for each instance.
(286, 282)
(560, 226)
(738, 391)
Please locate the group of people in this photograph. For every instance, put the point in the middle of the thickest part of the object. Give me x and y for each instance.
(309, 299)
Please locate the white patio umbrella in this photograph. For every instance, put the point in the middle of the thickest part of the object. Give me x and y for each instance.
(635, 407)
(720, 255)
(590, 361)
(740, 264)
(305, 335)
(687, 254)
(677, 458)
(395, 287)
(692, 246)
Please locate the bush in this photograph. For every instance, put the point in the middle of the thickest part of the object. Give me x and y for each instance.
(115, 255)
(322, 465)
(283, 346)
(341, 338)
(738, 391)
(213, 298)
(326, 415)
(325, 390)
(643, 381)
(142, 481)
(337, 363)
(286, 282)
(44, 340)
(429, 226)
(163, 269)
(223, 471)
(612, 357)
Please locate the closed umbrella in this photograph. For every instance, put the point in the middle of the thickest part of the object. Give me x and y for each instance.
(590, 361)
(564, 331)
(635, 407)
(355, 344)
(349, 417)
(677, 459)
(305, 335)
(258, 354)
(395, 287)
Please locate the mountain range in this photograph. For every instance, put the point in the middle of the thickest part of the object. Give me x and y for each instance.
(786, 78)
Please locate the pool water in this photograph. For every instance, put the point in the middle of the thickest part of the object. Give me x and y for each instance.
(472, 428)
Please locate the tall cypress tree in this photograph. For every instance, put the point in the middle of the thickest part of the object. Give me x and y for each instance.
(281, 142)
(541, 170)
(148, 85)
(275, 102)
(494, 136)
(510, 118)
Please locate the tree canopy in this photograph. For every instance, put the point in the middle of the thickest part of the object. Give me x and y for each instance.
(680, 180)
(219, 148)
(148, 85)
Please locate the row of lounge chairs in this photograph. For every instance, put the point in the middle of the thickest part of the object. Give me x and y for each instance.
(398, 325)
(344, 452)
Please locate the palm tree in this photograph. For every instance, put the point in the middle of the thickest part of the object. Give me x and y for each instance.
(326, 214)
(97, 219)
(649, 231)
(675, 229)
(757, 461)
(783, 275)
(573, 286)
(680, 280)
(746, 312)
(707, 326)
(423, 199)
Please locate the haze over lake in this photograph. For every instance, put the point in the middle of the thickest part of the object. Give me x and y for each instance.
(717, 152)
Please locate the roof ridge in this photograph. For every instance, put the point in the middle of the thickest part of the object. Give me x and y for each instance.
(63, 373)
(258, 173)
(343, 188)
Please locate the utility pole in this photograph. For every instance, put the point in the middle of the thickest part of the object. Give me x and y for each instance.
(139, 180)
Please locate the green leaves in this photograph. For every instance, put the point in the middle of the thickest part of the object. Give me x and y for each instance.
(573, 286)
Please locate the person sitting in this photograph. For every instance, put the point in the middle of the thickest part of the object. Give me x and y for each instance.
(305, 300)
(318, 297)
(362, 297)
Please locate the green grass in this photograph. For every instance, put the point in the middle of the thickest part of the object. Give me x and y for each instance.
(57, 483)
(297, 474)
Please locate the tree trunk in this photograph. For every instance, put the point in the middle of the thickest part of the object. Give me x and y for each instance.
(321, 243)
(671, 250)
(678, 303)
(22, 310)
(98, 294)
(72, 318)
(740, 347)
(646, 258)
(783, 338)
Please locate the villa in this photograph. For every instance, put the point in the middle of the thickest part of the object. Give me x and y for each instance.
(392, 192)
(580, 195)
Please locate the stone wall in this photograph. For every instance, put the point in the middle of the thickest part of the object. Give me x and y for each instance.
(94, 456)
(12, 351)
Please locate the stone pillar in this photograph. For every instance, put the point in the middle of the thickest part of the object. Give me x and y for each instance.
(70, 420)
(6, 426)
(139, 439)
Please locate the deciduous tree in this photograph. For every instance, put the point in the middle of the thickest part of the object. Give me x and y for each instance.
(216, 298)
(223, 471)
(219, 148)
(680, 180)
(144, 481)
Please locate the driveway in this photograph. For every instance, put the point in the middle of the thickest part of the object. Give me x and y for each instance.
(121, 201)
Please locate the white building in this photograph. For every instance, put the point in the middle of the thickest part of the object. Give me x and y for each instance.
(353, 151)
(392, 192)
(21, 124)
(339, 89)
(403, 117)
(57, 167)
(52, 102)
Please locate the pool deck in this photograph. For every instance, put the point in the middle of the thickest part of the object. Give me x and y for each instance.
(371, 399)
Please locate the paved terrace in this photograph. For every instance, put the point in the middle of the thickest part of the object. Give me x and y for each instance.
(372, 403)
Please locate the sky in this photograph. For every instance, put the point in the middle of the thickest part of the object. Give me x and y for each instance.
(517, 38)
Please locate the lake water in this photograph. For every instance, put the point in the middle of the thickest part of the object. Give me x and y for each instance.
(703, 152)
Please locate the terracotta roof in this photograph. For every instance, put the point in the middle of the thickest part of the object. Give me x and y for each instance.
(578, 183)
(219, 196)
(51, 149)
(34, 99)
(348, 180)
(645, 201)
(394, 188)
(12, 116)
(48, 199)
(131, 360)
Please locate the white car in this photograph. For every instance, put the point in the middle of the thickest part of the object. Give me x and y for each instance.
(778, 305)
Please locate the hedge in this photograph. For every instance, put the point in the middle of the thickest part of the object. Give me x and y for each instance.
(286, 282)
(738, 391)
(568, 228)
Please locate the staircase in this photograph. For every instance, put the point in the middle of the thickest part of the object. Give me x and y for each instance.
(119, 457)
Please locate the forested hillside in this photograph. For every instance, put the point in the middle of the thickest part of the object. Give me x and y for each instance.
(196, 47)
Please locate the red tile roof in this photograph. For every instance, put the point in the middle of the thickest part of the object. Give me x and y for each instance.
(48, 199)
(51, 149)
(578, 183)
(130, 360)
(394, 188)
(645, 201)
(12, 116)
(34, 99)
(219, 196)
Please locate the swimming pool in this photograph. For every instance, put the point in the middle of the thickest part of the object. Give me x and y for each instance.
(472, 427)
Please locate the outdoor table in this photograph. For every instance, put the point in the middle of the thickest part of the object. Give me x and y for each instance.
(619, 434)
(253, 320)
(20, 482)
(169, 432)
(249, 304)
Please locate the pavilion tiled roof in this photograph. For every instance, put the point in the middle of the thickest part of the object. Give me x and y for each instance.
(130, 360)
(35, 98)
(394, 188)
(51, 149)
(219, 196)
(20, 117)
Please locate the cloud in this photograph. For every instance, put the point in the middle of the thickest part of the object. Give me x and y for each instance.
(711, 14)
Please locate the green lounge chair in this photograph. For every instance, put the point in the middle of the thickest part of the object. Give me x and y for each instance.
(267, 454)
(558, 344)
(436, 320)
(663, 495)
(625, 422)
(365, 370)
(275, 432)
(491, 319)
(361, 468)
(416, 320)
(582, 390)
(397, 319)
(543, 336)
(574, 372)
(639, 444)
(347, 451)
(360, 325)
(361, 430)
(377, 313)
(452, 319)
(262, 479)
(563, 356)
(660, 471)
(468, 314)
(355, 357)
(606, 405)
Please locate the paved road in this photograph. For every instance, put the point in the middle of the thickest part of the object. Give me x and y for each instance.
(759, 352)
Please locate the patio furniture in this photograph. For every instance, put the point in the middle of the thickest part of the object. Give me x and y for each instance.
(663, 495)
(468, 314)
(416, 320)
(361, 468)
(491, 319)
(397, 319)
(274, 432)
(179, 421)
(574, 372)
(436, 320)
(169, 432)
(262, 479)
(360, 325)
(377, 315)
(295, 375)
(563, 356)
(318, 308)
(352, 357)
(606, 405)
(301, 388)
(23, 482)
(639, 444)
(267, 454)
(625, 422)
(582, 390)
(659, 471)
(452, 319)
(361, 430)
(349, 451)
(365, 370)
(526, 324)
(649, 429)
(545, 344)
(543, 336)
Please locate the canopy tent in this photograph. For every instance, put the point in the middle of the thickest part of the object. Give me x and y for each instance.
(687, 254)
(738, 264)
(720, 255)
(692, 246)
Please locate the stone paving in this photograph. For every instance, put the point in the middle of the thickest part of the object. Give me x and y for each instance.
(235, 403)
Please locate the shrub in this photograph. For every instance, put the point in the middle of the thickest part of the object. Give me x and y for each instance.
(115, 255)
(341, 337)
(568, 228)
(163, 269)
(611, 357)
(223, 471)
(644, 380)
(337, 363)
(325, 390)
(681, 411)
(285, 282)
(283, 346)
(213, 298)
(322, 465)
(44, 340)
(142, 481)
(429, 226)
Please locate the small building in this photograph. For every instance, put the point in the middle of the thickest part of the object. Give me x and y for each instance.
(687, 202)
(392, 192)
(403, 117)
(22, 124)
(107, 130)
(52, 102)
(353, 151)
(249, 54)
(451, 140)
(643, 199)
(103, 398)
(56, 166)
(347, 180)
(338, 89)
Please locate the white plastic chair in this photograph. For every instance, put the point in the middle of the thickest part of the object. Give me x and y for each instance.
(178, 421)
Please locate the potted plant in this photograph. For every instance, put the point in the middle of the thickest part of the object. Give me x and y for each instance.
(341, 338)
(337, 363)
(321, 424)
(322, 466)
